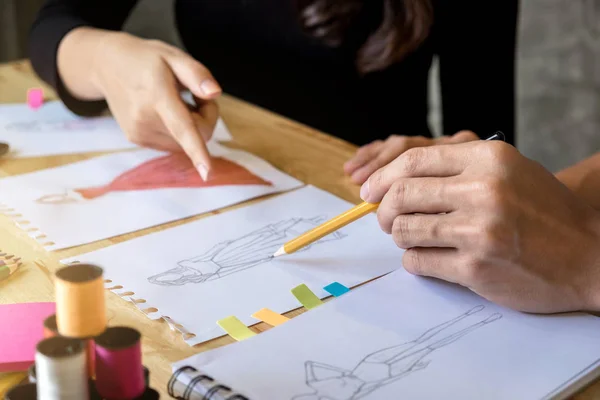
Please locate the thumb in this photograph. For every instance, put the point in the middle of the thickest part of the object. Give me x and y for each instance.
(195, 76)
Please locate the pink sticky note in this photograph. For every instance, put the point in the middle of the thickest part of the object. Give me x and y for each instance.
(21, 328)
(35, 98)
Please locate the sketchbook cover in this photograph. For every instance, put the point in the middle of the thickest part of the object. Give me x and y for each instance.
(408, 337)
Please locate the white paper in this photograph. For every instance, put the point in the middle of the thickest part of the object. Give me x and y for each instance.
(49, 199)
(53, 130)
(229, 256)
(389, 340)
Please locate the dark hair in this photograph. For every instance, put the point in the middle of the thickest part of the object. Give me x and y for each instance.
(402, 27)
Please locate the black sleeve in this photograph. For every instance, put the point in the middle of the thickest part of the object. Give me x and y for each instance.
(55, 19)
(476, 45)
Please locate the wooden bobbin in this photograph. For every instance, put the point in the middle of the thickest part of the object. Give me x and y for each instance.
(26, 391)
(80, 301)
(51, 330)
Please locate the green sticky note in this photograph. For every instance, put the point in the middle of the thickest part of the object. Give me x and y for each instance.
(306, 296)
(235, 328)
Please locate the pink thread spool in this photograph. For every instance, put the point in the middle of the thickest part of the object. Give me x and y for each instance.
(119, 370)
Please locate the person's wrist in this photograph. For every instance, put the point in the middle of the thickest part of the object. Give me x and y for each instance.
(106, 45)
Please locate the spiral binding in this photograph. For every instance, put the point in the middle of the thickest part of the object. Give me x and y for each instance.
(225, 392)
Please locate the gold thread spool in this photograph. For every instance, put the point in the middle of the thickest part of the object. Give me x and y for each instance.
(80, 301)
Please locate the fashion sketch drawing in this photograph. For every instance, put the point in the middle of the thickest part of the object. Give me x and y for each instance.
(245, 252)
(387, 365)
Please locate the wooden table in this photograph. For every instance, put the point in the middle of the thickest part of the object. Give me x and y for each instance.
(310, 156)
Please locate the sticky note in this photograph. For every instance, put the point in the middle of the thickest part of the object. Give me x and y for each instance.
(21, 328)
(336, 289)
(235, 328)
(270, 317)
(306, 296)
(35, 98)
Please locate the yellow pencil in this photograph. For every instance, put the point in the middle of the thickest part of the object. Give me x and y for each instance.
(326, 228)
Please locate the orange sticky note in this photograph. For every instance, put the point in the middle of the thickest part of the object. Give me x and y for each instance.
(235, 328)
(270, 317)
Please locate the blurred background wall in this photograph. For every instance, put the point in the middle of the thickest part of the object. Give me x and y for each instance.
(558, 101)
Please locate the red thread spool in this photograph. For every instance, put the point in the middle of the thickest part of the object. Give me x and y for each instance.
(119, 370)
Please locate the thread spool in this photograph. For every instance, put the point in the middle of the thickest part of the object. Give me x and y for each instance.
(80, 302)
(146, 376)
(31, 374)
(50, 327)
(60, 365)
(149, 394)
(26, 391)
(51, 330)
(119, 370)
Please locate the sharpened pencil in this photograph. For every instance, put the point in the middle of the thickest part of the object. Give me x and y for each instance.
(341, 220)
(326, 228)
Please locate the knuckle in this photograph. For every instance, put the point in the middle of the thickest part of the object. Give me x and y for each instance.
(499, 152)
(474, 271)
(412, 262)
(376, 179)
(400, 231)
(491, 192)
(410, 160)
(398, 192)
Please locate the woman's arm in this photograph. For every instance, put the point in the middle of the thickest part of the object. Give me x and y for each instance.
(476, 45)
(67, 65)
(583, 178)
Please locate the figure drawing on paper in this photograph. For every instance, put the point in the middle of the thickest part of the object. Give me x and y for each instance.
(387, 365)
(245, 252)
(170, 171)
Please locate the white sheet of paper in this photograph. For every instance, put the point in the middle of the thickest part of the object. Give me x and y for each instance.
(412, 338)
(223, 265)
(53, 130)
(68, 219)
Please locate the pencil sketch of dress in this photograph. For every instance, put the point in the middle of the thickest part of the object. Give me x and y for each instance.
(385, 366)
(242, 253)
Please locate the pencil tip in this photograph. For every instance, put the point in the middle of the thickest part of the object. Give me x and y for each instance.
(279, 252)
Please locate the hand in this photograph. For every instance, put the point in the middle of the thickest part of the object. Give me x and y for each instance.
(371, 157)
(141, 81)
(481, 215)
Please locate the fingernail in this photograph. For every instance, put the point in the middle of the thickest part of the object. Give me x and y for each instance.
(203, 171)
(209, 87)
(364, 191)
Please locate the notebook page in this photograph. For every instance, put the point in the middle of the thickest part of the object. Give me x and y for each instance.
(408, 337)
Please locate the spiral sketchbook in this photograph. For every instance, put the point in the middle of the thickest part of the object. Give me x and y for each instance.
(401, 336)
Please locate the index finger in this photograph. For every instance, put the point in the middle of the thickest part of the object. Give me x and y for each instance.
(432, 161)
(181, 125)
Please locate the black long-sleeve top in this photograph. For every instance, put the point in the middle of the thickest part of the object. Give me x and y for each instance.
(257, 52)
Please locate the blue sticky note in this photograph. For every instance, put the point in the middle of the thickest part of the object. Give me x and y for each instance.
(336, 289)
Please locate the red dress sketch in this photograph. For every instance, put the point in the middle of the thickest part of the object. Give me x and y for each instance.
(171, 171)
